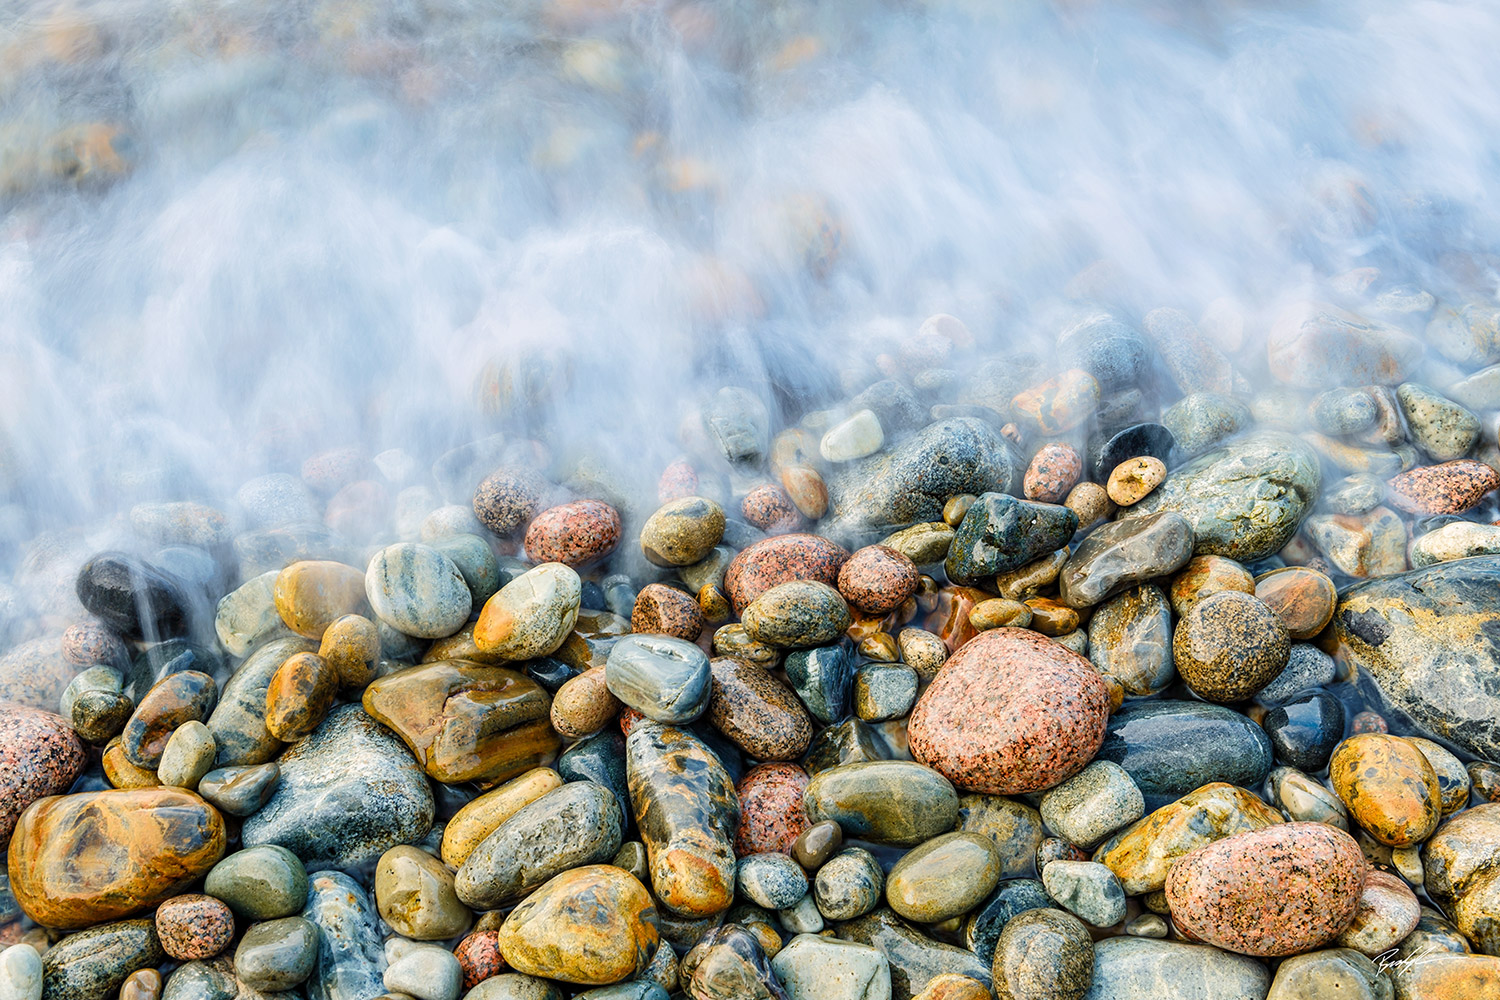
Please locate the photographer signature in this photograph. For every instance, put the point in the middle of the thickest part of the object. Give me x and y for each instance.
(1387, 961)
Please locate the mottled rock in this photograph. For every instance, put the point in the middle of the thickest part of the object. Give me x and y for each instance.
(1170, 748)
(531, 615)
(1122, 553)
(185, 696)
(1389, 787)
(893, 802)
(1130, 640)
(347, 793)
(1337, 972)
(797, 614)
(576, 534)
(1092, 804)
(822, 677)
(92, 964)
(1387, 912)
(848, 885)
(194, 926)
(417, 590)
(1244, 500)
(1060, 403)
(1229, 646)
(1087, 889)
(1043, 953)
(915, 959)
(1052, 473)
(757, 712)
(39, 756)
(1014, 827)
(682, 532)
(664, 610)
(508, 498)
(139, 848)
(1000, 533)
(1458, 540)
(1373, 544)
(877, 579)
(1439, 426)
(1449, 488)
(350, 961)
(772, 880)
(592, 925)
(1040, 728)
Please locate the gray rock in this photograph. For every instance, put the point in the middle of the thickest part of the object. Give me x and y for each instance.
(638, 990)
(1307, 666)
(259, 883)
(247, 616)
(427, 972)
(984, 923)
(822, 678)
(803, 917)
(1092, 804)
(1425, 648)
(1000, 533)
(91, 964)
(1203, 419)
(1438, 425)
(475, 560)
(849, 885)
(663, 678)
(242, 789)
(773, 880)
(1344, 411)
(350, 960)
(1478, 391)
(1135, 968)
(911, 482)
(214, 979)
(1355, 494)
(1244, 500)
(1458, 540)
(1332, 972)
(1125, 552)
(1088, 889)
(579, 823)
(1192, 360)
(1169, 748)
(1130, 639)
(740, 423)
(514, 986)
(811, 967)
(417, 590)
(277, 499)
(277, 955)
(188, 756)
(347, 793)
(238, 722)
(915, 959)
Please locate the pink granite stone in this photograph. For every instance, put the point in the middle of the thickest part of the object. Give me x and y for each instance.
(194, 926)
(1283, 890)
(39, 756)
(770, 509)
(577, 533)
(1054, 470)
(479, 957)
(1449, 488)
(1010, 712)
(771, 812)
(877, 579)
(678, 480)
(781, 559)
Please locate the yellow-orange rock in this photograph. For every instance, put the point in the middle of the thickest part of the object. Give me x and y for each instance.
(77, 860)
(592, 925)
(311, 595)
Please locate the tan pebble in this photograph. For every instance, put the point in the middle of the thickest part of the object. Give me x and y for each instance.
(583, 705)
(1050, 617)
(1133, 479)
(351, 645)
(956, 507)
(1091, 503)
(999, 611)
(807, 490)
(482, 816)
(922, 651)
(880, 646)
(1028, 580)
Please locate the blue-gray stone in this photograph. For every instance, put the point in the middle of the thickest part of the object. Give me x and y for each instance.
(1135, 968)
(348, 792)
(1200, 421)
(822, 677)
(418, 590)
(1001, 533)
(663, 678)
(984, 923)
(238, 722)
(476, 561)
(601, 759)
(1169, 748)
(351, 960)
(638, 990)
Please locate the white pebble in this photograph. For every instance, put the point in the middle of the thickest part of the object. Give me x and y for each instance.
(20, 973)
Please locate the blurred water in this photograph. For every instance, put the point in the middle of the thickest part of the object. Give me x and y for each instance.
(235, 233)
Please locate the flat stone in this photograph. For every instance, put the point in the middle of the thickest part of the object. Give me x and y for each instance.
(915, 959)
(1042, 727)
(347, 793)
(465, 722)
(1336, 972)
(811, 967)
(1001, 533)
(1130, 640)
(592, 925)
(1170, 748)
(1142, 855)
(892, 802)
(1244, 500)
(350, 961)
(577, 824)
(92, 964)
(426, 972)
(1449, 488)
(1121, 553)
(1092, 804)
(1282, 890)
(663, 678)
(140, 847)
(1134, 968)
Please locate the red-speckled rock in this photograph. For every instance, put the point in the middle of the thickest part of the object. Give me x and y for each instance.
(1054, 470)
(577, 533)
(628, 718)
(771, 510)
(39, 756)
(877, 579)
(678, 480)
(771, 812)
(1010, 712)
(1450, 488)
(194, 926)
(1286, 889)
(479, 957)
(665, 610)
(771, 561)
(87, 643)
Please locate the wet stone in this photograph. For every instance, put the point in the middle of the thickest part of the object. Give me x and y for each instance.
(577, 824)
(1170, 747)
(774, 881)
(666, 679)
(1453, 778)
(1053, 472)
(576, 534)
(1449, 488)
(1388, 911)
(414, 894)
(92, 964)
(508, 498)
(194, 926)
(350, 960)
(311, 594)
(39, 756)
(1459, 540)
(849, 742)
(1014, 827)
(924, 544)
(465, 722)
(1133, 478)
(1440, 427)
(132, 597)
(300, 694)
(664, 610)
(1142, 856)
(877, 579)
(797, 614)
(771, 509)
(584, 704)
(20, 973)
(479, 956)
(822, 677)
(259, 883)
(1342, 411)
(144, 984)
(985, 922)
(884, 691)
(816, 844)
(600, 759)
(186, 696)
(811, 967)
(729, 963)
(531, 615)
(239, 720)
(1043, 952)
(1092, 804)
(848, 885)
(347, 793)
(1001, 533)
(1123, 553)
(1060, 403)
(351, 646)
(1229, 646)
(1389, 787)
(1130, 640)
(1134, 968)
(890, 802)
(1277, 891)
(1039, 729)
(592, 925)
(915, 959)
(757, 712)
(1201, 420)
(247, 616)
(682, 532)
(855, 437)
(1087, 889)
(188, 757)
(426, 972)
(943, 877)
(1305, 729)
(417, 590)
(1373, 544)
(277, 955)
(140, 847)
(1338, 972)
(240, 790)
